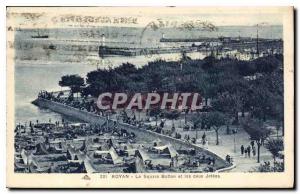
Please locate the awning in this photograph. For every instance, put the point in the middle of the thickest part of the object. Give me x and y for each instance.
(168, 148)
(172, 151)
(100, 152)
(89, 167)
(144, 155)
(116, 159)
(161, 148)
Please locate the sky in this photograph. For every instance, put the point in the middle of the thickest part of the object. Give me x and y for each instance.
(51, 17)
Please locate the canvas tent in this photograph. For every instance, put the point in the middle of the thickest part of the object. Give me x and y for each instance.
(167, 149)
(143, 155)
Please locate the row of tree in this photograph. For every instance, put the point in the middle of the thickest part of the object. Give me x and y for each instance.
(234, 87)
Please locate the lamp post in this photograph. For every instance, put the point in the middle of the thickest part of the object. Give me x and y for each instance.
(107, 118)
(234, 131)
(196, 128)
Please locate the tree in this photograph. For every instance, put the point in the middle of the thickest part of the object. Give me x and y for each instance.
(172, 115)
(279, 117)
(209, 62)
(266, 167)
(277, 113)
(227, 104)
(261, 101)
(257, 132)
(215, 120)
(75, 82)
(274, 146)
(207, 89)
(155, 112)
(197, 121)
(154, 82)
(232, 100)
(266, 96)
(266, 64)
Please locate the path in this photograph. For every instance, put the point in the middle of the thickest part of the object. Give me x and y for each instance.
(226, 146)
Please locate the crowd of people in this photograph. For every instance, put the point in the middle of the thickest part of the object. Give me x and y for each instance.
(249, 150)
(82, 103)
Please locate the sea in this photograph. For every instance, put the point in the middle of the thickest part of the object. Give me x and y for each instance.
(36, 74)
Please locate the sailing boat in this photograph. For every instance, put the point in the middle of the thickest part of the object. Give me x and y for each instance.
(39, 36)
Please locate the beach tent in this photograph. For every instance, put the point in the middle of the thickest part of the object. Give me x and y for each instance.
(113, 154)
(75, 153)
(78, 139)
(143, 155)
(116, 159)
(167, 148)
(130, 152)
(78, 125)
(89, 166)
(36, 169)
(172, 151)
(139, 165)
(161, 148)
(101, 152)
(41, 149)
(157, 142)
(27, 157)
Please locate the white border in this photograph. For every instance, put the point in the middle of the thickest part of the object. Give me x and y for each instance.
(103, 3)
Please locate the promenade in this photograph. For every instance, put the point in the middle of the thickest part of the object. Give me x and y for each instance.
(226, 145)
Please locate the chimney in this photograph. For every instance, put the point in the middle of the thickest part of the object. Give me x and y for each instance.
(102, 40)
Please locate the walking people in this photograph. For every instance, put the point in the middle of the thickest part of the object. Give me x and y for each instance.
(172, 163)
(203, 138)
(252, 144)
(246, 150)
(254, 151)
(249, 151)
(242, 149)
(227, 158)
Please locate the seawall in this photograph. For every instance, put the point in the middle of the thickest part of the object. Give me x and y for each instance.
(141, 133)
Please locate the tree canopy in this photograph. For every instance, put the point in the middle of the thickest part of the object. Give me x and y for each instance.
(72, 81)
(232, 85)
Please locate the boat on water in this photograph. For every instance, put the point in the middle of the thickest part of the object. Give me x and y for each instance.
(39, 35)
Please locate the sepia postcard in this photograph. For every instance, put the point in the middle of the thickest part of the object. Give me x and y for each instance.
(150, 97)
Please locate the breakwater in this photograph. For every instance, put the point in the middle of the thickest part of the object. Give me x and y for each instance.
(124, 51)
(140, 132)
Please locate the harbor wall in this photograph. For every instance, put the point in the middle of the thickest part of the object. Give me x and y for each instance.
(140, 132)
(69, 111)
